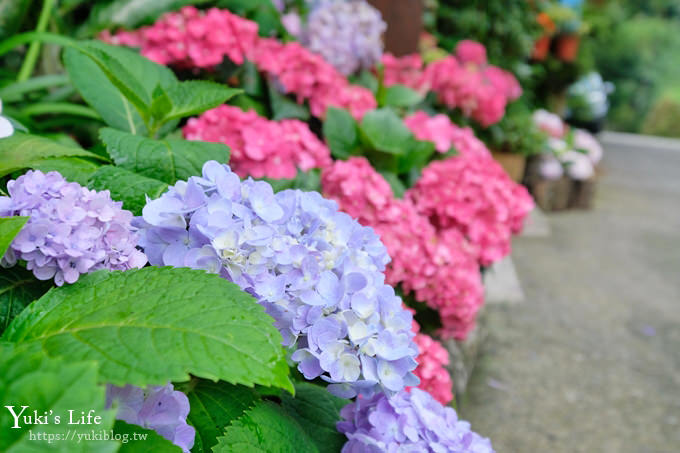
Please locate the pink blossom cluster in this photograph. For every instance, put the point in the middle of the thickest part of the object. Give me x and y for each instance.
(432, 361)
(191, 38)
(440, 130)
(440, 270)
(194, 39)
(260, 147)
(475, 196)
(465, 81)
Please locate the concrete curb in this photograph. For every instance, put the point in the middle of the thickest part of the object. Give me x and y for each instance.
(649, 142)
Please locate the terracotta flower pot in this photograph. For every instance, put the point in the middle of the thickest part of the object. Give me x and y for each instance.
(567, 47)
(513, 164)
(541, 48)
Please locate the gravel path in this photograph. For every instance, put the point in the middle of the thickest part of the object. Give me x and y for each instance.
(590, 361)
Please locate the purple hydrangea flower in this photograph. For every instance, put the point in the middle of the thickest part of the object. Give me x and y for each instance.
(407, 422)
(162, 409)
(71, 231)
(316, 271)
(346, 33)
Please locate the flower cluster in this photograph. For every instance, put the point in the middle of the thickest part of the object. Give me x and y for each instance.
(550, 123)
(347, 34)
(475, 196)
(409, 421)
(445, 134)
(260, 147)
(439, 269)
(71, 231)
(191, 38)
(194, 39)
(465, 81)
(432, 361)
(162, 409)
(316, 271)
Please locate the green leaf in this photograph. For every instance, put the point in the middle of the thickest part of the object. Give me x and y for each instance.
(9, 228)
(284, 107)
(214, 405)
(153, 325)
(12, 14)
(53, 387)
(247, 103)
(251, 80)
(400, 96)
(18, 288)
(101, 88)
(418, 154)
(383, 130)
(164, 160)
(266, 428)
(28, 151)
(190, 98)
(136, 439)
(126, 186)
(398, 187)
(367, 80)
(317, 411)
(309, 181)
(341, 133)
(73, 169)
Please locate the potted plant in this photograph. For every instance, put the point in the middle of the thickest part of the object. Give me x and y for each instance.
(569, 27)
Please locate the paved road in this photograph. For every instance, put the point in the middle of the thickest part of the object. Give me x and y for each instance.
(590, 361)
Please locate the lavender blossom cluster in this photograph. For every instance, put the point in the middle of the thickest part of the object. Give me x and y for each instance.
(71, 231)
(316, 271)
(346, 33)
(413, 422)
(162, 409)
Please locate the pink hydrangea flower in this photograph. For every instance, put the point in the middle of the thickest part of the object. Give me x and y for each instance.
(440, 270)
(432, 361)
(475, 196)
(260, 147)
(406, 70)
(585, 141)
(550, 123)
(468, 51)
(445, 134)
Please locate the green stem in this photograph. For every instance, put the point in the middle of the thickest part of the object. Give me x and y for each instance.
(60, 107)
(34, 50)
(16, 89)
(31, 36)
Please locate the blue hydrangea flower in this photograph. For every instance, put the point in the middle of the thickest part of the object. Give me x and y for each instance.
(407, 422)
(162, 409)
(71, 231)
(316, 271)
(346, 33)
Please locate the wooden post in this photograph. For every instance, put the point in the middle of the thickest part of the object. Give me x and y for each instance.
(404, 20)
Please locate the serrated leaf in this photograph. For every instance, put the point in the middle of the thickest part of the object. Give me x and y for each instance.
(214, 405)
(266, 428)
(73, 169)
(153, 325)
(318, 412)
(165, 160)
(140, 440)
(126, 186)
(9, 228)
(190, 98)
(28, 151)
(53, 386)
(385, 131)
(341, 133)
(400, 96)
(283, 107)
(18, 288)
(100, 92)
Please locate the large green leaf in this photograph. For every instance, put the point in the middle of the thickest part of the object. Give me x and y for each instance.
(136, 439)
(400, 96)
(190, 98)
(116, 82)
(18, 288)
(214, 405)
(383, 130)
(126, 186)
(266, 428)
(28, 151)
(53, 387)
(318, 412)
(9, 228)
(341, 133)
(74, 169)
(153, 325)
(165, 160)
(283, 107)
